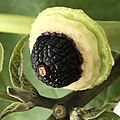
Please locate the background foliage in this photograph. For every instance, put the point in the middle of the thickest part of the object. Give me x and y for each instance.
(98, 10)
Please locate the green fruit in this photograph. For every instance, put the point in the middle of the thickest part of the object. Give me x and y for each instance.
(89, 37)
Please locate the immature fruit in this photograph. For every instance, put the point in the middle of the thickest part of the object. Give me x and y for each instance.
(92, 59)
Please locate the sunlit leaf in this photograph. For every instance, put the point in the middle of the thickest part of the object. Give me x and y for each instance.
(1, 56)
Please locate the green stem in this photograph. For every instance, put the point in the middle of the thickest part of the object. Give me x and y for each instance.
(15, 23)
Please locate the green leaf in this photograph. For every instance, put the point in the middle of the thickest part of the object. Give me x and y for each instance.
(15, 107)
(93, 8)
(4, 76)
(16, 63)
(18, 79)
(102, 10)
(5, 96)
(107, 115)
(103, 113)
(115, 54)
(21, 95)
(1, 56)
(15, 23)
(112, 29)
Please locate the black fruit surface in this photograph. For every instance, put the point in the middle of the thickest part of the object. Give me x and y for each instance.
(56, 60)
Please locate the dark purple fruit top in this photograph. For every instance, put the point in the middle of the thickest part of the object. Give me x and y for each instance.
(56, 59)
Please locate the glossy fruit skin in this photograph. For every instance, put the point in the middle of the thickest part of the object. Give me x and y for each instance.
(59, 56)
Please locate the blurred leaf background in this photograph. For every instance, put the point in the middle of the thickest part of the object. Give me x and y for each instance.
(102, 10)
